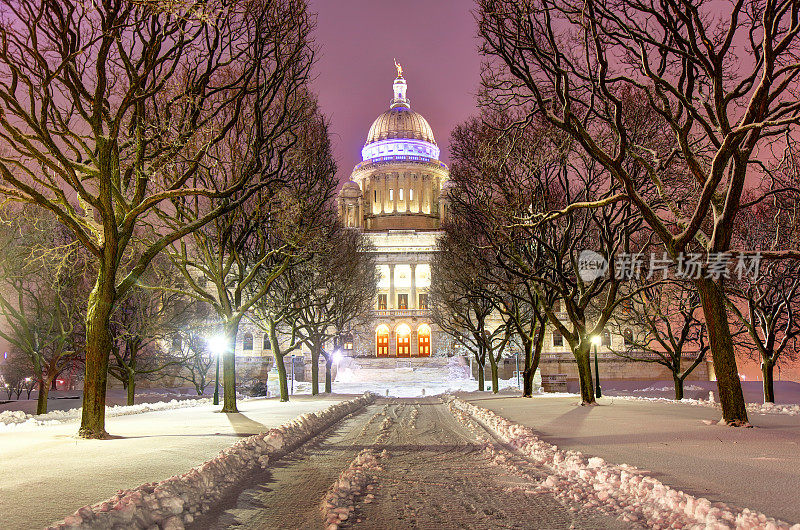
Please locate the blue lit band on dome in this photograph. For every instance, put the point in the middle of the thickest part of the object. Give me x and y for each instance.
(400, 149)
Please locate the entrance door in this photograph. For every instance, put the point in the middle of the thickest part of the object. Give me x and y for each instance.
(424, 335)
(382, 341)
(403, 335)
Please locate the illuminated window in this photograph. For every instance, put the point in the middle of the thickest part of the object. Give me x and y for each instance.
(558, 339)
(423, 301)
(381, 301)
(627, 335)
(348, 342)
(402, 301)
(391, 194)
(401, 194)
(411, 194)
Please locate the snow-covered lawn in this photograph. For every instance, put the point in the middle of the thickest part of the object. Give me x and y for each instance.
(14, 420)
(176, 501)
(623, 490)
(682, 446)
(47, 473)
(757, 408)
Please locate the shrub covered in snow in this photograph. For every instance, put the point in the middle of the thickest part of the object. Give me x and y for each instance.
(176, 501)
(622, 490)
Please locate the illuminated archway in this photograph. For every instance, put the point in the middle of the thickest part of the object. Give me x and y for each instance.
(403, 338)
(382, 341)
(424, 340)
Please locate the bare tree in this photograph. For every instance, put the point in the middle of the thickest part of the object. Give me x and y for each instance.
(768, 306)
(720, 79)
(146, 329)
(661, 325)
(108, 111)
(232, 262)
(42, 296)
(462, 300)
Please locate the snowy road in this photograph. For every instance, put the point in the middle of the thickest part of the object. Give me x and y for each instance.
(433, 472)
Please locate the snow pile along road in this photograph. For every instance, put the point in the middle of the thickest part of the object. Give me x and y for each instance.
(176, 501)
(339, 502)
(756, 408)
(622, 490)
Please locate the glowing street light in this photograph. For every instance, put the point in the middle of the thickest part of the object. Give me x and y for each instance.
(596, 340)
(217, 344)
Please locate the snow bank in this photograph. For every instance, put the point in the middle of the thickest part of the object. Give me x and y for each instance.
(756, 408)
(176, 501)
(621, 490)
(339, 501)
(16, 419)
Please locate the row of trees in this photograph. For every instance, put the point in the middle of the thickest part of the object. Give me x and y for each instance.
(626, 127)
(177, 132)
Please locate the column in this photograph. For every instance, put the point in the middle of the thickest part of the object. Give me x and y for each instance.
(392, 301)
(413, 304)
(395, 193)
(383, 194)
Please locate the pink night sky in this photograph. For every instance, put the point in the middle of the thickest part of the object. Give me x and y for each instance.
(434, 41)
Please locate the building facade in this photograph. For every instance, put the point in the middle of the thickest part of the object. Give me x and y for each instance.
(394, 197)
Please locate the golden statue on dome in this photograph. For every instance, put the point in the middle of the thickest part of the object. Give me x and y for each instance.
(399, 69)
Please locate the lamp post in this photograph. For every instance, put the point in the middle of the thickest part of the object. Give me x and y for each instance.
(217, 345)
(596, 341)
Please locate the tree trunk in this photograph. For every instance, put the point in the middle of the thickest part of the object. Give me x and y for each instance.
(767, 369)
(678, 387)
(328, 379)
(44, 391)
(53, 384)
(229, 368)
(585, 375)
(314, 371)
(734, 411)
(282, 379)
(495, 378)
(481, 377)
(532, 362)
(131, 388)
(98, 348)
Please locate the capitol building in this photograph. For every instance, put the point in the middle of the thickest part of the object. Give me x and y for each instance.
(395, 197)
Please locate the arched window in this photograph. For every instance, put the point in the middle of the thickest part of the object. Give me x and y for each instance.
(247, 342)
(403, 337)
(627, 336)
(607, 339)
(267, 342)
(382, 341)
(424, 340)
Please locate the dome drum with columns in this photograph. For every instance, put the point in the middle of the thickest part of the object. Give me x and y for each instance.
(398, 183)
(394, 196)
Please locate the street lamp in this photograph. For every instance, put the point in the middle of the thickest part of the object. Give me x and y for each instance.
(217, 345)
(596, 339)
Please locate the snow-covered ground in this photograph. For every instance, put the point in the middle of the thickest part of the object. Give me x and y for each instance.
(682, 446)
(47, 473)
(623, 490)
(171, 503)
(13, 420)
